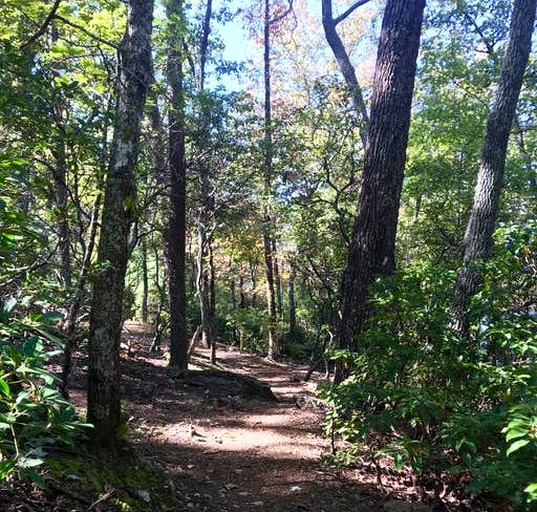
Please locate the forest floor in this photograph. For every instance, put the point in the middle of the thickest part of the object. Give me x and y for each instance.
(213, 444)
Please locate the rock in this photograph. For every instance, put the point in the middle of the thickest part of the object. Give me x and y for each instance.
(143, 495)
(235, 383)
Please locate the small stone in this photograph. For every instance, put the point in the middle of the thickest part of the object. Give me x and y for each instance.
(143, 495)
(257, 503)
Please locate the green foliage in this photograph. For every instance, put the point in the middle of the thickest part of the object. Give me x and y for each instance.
(435, 403)
(252, 327)
(33, 414)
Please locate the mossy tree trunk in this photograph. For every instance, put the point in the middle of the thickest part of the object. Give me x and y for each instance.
(104, 406)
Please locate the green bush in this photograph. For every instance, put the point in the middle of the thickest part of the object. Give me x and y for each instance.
(439, 405)
(33, 415)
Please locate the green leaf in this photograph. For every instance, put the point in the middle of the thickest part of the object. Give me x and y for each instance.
(532, 491)
(517, 445)
(4, 387)
(35, 477)
(515, 433)
(27, 462)
(6, 468)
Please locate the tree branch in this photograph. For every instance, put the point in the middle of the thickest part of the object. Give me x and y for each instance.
(345, 65)
(349, 11)
(42, 29)
(283, 14)
(87, 32)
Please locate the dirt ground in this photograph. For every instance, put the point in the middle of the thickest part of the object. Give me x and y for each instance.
(229, 450)
(225, 448)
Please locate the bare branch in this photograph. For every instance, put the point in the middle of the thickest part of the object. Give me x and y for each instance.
(349, 11)
(488, 45)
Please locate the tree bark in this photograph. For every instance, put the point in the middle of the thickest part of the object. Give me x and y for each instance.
(176, 229)
(104, 405)
(478, 241)
(371, 252)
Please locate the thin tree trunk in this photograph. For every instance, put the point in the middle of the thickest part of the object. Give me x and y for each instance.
(277, 280)
(145, 284)
(176, 229)
(292, 304)
(59, 179)
(273, 343)
(242, 295)
(204, 278)
(104, 407)
(212, 277)
(478, 241)
(371, 252)
(70, 322)
(207, 325)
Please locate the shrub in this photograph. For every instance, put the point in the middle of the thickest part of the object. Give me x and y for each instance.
(33, 415)
(440, 405)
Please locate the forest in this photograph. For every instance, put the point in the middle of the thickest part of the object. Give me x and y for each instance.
(270, 255)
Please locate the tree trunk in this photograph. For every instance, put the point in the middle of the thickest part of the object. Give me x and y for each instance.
(145, 284)
(273, 342)
(104, 405)
(175, 232)
(207, 325)
(206, 206)
(59, 177)
(478, 241)
(70, 322)
(277, 280)
(292, 304)
(371, 252)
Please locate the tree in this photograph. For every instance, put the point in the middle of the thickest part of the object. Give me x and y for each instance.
(104, 406)
(176, 228)
(478, 241)
(268, 153)
(371, 251)
(205, 214)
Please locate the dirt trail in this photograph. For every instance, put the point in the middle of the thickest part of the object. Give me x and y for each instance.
(225, 451)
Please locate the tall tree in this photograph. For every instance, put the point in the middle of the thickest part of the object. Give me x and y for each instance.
(268, 156)
(371, 251)
(176, 228)
(206, 206)
(104, 405)
(478, 241)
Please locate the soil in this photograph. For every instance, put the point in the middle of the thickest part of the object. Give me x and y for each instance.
(226, 444)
